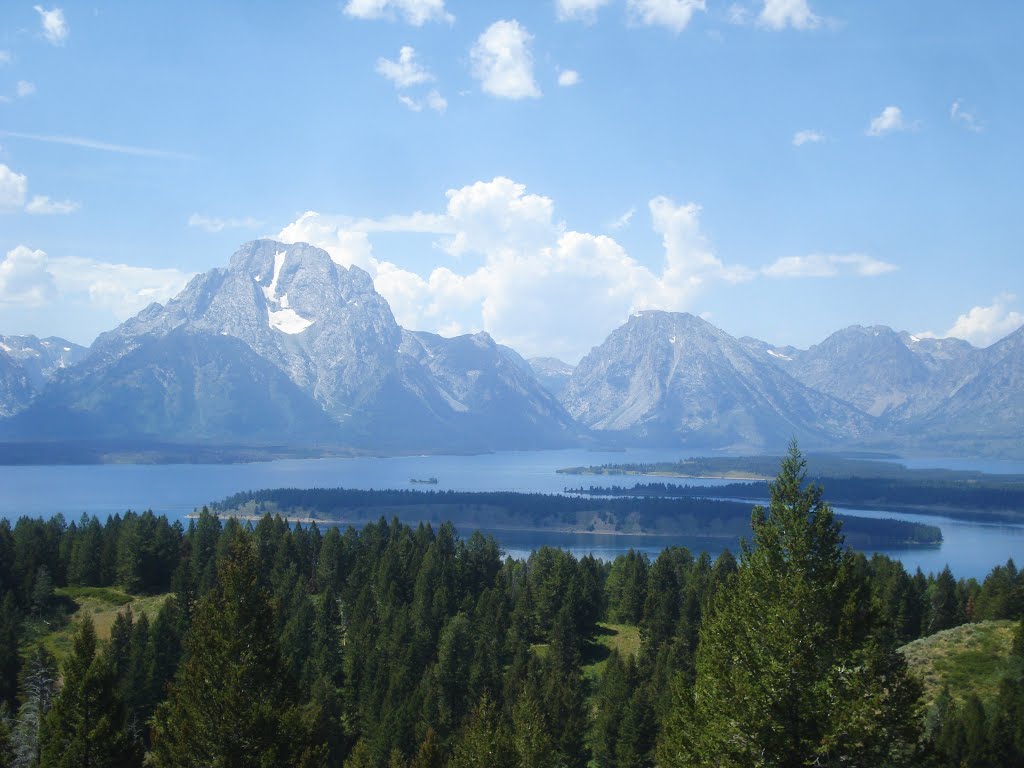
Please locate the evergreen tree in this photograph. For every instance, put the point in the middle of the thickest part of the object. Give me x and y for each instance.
(229, 701)
(10, 638)
(531, 737)
(482, 743)
(86, 727)
(774, 685)
(945, 611)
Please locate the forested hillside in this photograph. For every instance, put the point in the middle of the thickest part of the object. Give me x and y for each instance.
(278, 644)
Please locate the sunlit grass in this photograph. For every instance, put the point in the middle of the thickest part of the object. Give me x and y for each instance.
(972, 658)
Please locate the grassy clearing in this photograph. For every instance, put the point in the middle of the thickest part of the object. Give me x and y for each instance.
(972, 658)
(624, 638)
(101, 603)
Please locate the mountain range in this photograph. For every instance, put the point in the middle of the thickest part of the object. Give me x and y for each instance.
(285, 348)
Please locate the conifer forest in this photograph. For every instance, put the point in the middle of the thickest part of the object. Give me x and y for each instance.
(274, 643)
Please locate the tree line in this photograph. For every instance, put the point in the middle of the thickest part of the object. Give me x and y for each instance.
(282, 645)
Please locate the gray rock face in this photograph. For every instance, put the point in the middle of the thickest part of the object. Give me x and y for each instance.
(552, 373)
(988, 405)
(28, 364)
(334, 339)
(672, 377)
(15, 387)
(893, 376)
(42, 359)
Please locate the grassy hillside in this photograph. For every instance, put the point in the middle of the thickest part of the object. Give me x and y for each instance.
(102, 603)
(972, 658)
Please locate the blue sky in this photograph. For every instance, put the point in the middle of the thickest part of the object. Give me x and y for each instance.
(534, 169)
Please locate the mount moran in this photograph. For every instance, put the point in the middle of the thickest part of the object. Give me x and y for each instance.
(286, 351)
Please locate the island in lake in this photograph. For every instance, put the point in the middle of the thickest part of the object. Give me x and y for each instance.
(717, 520)
(848, 482)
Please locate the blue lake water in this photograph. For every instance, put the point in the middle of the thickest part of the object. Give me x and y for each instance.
(970, 549)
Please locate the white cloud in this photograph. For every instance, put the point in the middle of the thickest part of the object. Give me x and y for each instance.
(985, 325)
(119, 288)
(828, 265)
(43, 205)
(406, 71)
(958, 114)
(890, 120)
(674, 14)
(13, 187)
(437, 102)
(502, 61)
(5, 57)
(415, 12)
(568, 77)
(216, 224)
(24, 278)
(433, 100)
(579, 10)
(807, 137)
(24, 88)
(78, 141)
(32, 278)
(410, 102)
(526, 265)
(55, 26)
(779, 14)
(623, 221)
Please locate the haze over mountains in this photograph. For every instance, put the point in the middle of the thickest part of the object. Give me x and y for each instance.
(286, 348)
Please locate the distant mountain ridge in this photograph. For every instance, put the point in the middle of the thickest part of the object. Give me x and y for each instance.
(674, 378)
(284, 347)
(285, 343)
(28, 364)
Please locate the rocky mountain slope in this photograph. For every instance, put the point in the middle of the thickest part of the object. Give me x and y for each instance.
(552, 373)
(675, 378)
(28, 364)
(283, 343)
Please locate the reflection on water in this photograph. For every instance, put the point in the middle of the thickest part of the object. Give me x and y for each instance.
(970, 549)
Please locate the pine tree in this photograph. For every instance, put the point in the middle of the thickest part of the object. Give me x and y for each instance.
(780, 682)
(10, 638)
(229, 701)
(482, 743)
(86, 727)
(531, 737)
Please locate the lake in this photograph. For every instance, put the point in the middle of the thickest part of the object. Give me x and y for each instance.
(970, 549)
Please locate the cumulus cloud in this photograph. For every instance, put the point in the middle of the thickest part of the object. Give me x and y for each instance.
(415, 12)
(406, 71)
(828, 265)
(41, 205)
(216, 224)
(890, 120)
(958, 114)
(503, 63)
(985, 325)
(25, 279)
(525, 264)
(807, 137)
(24, 88)
(55, 26)
(30, 277)
(780, 14)
(568, 77)
(673, 14)
(579, 10)
(5, 57)
(13, 187)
